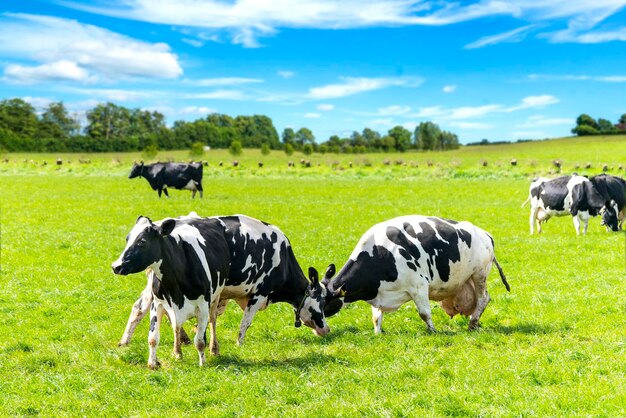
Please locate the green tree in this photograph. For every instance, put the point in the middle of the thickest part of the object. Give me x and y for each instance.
(622, 119)
(265, 149)
(583, 130)
(605, 126)
(56, 122)
(235, 148)
(18, 117)
(401, 137)
(587, 120)
(288, 149)
(427, 136)
(307, 149)
(304, 136)
(289, 136)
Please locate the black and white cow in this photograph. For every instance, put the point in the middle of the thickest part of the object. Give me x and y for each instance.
(416, 258)
(177, 175)
(613, 190)
(567, 195)
(260, 269)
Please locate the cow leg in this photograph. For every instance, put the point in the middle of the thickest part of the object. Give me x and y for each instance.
(140, 308)
(420, 297)
(482, 298)
(193, 194)
(377, 319)
(199, 187)
(176, 328)
(213, 312)
(200, 339)
(254, 304)
(160, 191)
(156, 313)
(533, 218)
(166, 193)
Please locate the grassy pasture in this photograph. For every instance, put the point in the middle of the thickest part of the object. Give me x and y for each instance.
(554, 346)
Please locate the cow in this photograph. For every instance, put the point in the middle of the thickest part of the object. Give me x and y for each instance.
(567, 195)
(613, 190)
(418, 258)
(256, 267)
(163, 175)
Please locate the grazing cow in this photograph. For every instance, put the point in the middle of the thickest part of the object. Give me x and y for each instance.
(561, 196)
(416, 258)
(613, 190)
(177, 175)
(261, 269)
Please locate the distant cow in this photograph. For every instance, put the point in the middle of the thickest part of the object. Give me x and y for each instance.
(613, 190)
(567, 195)
(416, 258)
(177, 175)
(260, 268)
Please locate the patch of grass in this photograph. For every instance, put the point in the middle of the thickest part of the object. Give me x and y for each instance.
(552, 347)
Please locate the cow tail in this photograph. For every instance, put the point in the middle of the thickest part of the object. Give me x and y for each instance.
(526, 201)
(502, 276)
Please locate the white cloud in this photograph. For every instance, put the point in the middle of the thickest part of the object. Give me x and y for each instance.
(534, 101)
(224, 81)
(571, 77)
(38, 102)
(114, 95)
(386, 122)
(352, 85)
(394, 110)
(471, 125)
(541, 121)
(515, 35)
(325, 107)
(218, 94)
(450, 88)
(196, 110)
(312, 115)
(58, 70)
(469, 112)
(70, 50)
(193, 42)
(286, 74)
(246, 20)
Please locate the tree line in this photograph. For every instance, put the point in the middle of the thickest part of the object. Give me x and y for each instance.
(586, 125)
(108, 127)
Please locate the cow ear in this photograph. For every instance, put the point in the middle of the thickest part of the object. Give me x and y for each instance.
(330, 272)
(167, 226)
(142, 217)
(313, 276)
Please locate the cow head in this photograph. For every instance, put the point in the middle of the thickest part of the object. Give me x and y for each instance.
(143, 246)
(609, 216)
(137, 170)
(311, 310)
(334, 297)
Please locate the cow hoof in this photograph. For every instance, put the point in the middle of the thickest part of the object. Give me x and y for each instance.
(122, 344)
(178, 356)
(473, 326)
(154, 366)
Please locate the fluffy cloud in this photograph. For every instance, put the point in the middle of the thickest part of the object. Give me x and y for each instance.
(64, 49)
(58, 70)
(246, 20)
(450, 88)
(352, 85)
(325, 107)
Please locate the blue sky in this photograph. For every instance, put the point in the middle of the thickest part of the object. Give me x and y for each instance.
(483, 69)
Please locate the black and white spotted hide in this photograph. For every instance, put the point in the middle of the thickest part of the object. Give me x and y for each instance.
(417, 258)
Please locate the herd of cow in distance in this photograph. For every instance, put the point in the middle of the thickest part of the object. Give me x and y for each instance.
(195, 265)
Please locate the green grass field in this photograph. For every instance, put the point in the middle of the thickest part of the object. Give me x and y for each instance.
(554, 346)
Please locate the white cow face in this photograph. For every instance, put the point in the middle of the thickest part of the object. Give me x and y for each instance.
(142, 246)
(311, 311)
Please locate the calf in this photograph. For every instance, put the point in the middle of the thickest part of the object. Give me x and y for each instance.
(574, 195)
(613, 190)
(262, 270)
(416, 258)
(176, 175)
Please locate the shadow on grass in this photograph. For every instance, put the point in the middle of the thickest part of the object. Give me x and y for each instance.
(301, 362)
(528, 328)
